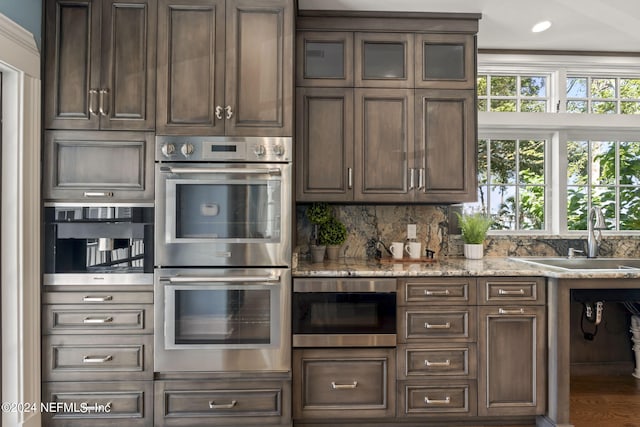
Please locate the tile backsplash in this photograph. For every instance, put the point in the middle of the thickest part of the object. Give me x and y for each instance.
(388, 223)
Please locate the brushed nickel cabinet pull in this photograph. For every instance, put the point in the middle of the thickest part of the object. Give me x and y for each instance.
(335, 386)
(507, 292)
(93, 320)
(102, 109)
(97, 359)
(445, 401)
(412, 178)
(94, 406)
(436, 293)
(105, 298)
(229, 112)
(507, 311)
(437, 364)
(92, 98)
(98, 194)
(350, 178)
(428, 325)
(421, 178)
(219, 112)
(214, 405)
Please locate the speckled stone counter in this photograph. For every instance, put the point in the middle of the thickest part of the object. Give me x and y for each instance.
(488, 266)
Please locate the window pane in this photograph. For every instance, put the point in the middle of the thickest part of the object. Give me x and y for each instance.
(576, 106)
(577, 162)
(324, 60)
(630, 88)
(482, 161)
(443, 61)
(576, 208)
(482, 85)
(503, 162)
(503, 85)
(531, 154)
(533, 86)
(483, 199)
(533, 106)
(384, 61)
(508, 105)
(503, 207)
(482, 105)
(603, 169)
(630, 208)
(629, 107)
(531, 206)
(605, 198)
(576, 87)
(630, 163)
(603, 107)
(603, 88)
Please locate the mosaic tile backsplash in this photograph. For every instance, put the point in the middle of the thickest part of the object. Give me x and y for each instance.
(367, 224)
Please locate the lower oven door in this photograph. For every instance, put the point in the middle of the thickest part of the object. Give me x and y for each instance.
(222, 320)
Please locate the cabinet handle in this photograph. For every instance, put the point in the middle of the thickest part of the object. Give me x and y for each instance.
(412, 178)
(92, 98)
(94, 406)
(437, 364)
(507, 292)
(421, 178)
(103, 111)
(436, 293)
(350, 178)
(105, 298)
(98, 194)
(214, 405)
(97, 359)
(445, 401)
(428, 325)
(229, 112)
(510, 311)
(351, 386)
(219, 112)
(90, 320)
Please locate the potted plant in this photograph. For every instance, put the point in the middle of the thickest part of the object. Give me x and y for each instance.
(318, 213)
(332, 233)
(474, 229)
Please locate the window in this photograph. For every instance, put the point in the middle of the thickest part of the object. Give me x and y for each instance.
(541, 173)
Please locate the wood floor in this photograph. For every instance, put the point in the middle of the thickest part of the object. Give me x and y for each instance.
(612, 401)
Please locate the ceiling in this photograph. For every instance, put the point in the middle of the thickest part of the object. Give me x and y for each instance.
(583, 25)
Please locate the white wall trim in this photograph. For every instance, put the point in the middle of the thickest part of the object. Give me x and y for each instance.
(21, 98)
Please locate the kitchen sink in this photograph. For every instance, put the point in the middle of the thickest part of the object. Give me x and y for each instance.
(581, 263)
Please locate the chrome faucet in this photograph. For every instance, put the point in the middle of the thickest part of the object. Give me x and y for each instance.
(593, 241)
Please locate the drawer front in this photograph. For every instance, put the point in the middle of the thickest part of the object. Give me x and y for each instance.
(94, 298)
(80, 358)
(453, 323)
(449, 360)
(343, 383)
(74, 319)
(192, 403)
(438, 291)
(98, 404)
(438, 399)
(515, 290)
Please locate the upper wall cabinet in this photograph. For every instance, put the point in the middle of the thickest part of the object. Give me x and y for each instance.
(100, 59)
(225, 67)
(324, 59)
(445, 61)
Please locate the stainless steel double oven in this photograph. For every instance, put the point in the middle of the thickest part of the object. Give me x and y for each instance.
(222, 281)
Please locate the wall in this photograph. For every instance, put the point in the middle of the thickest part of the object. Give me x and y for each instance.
(26, 13)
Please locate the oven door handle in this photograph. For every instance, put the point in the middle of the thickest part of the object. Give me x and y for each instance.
(244, 171)
(206, 279)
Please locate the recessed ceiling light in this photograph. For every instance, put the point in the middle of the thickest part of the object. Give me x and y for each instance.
(541, 26)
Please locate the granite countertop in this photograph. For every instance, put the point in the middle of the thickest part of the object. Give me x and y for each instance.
(488, 266)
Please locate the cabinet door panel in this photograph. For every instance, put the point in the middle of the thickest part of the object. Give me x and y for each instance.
(324, 59)
(383, 144)
(259, 73)
(446, 135)
(128, 63)
(325, 144)
(384, 60)
(445, 61)
(72, 67)
(190, 67)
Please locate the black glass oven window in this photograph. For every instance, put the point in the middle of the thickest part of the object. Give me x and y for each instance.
(344, 313)
(224, 316)
(228, 211)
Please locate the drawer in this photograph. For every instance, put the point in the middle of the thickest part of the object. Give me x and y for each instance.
(81, 358)
(451, 323)
(344, 383)
(437, 360)
(445, 290)
(530, 290)
(98, 404)
(95, 298)
(438, 399)
(242, 402)
(97, 319)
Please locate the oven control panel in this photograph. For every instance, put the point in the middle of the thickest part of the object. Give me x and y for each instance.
(223, 149)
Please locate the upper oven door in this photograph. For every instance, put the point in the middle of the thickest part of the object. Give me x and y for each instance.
(223, 214)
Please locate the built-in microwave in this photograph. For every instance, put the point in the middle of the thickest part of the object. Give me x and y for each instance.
(102, 244)
(350, 312)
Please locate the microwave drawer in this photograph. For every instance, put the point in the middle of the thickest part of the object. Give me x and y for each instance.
(90, 357)
(451, 323)
(82, 319)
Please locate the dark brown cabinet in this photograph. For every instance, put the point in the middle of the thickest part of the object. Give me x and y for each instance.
(225, 67)
(445, 61)
(100, 64)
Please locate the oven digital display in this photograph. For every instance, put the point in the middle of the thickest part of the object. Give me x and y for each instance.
(224, 148)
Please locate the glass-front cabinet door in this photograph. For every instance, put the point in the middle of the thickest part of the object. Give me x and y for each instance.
(384, 60)
(324, 59)
(445, 61)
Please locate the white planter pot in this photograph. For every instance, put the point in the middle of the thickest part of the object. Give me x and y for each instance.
(473, 251)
